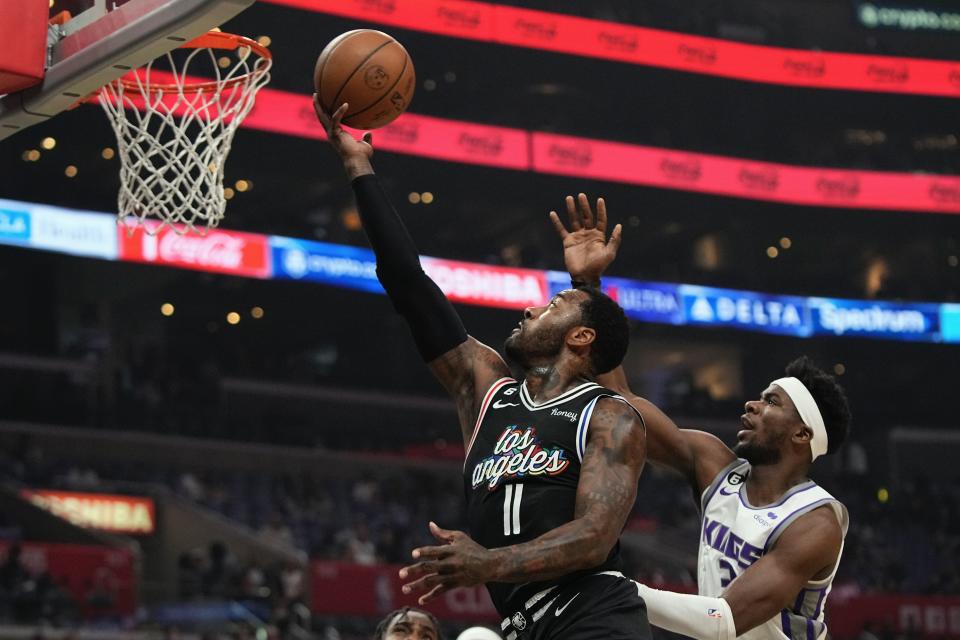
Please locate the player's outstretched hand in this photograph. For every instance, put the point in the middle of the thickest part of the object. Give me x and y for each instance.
(587, 252)
(345, 144)
(457, 562)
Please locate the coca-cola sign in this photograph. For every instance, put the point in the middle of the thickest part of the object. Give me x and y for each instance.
(618, 41)
(954, 77)
(805, 67)
(838, 186)
(697, 53)
(759, 178)
(459, 17)
(943, 192)
(242, 254)
(383, 7)
(544, 30)
(888, 73)
(570, 155)
(682, 168)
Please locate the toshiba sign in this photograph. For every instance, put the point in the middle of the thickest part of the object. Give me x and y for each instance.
(117, 514)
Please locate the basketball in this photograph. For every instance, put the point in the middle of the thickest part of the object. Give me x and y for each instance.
(369, 70)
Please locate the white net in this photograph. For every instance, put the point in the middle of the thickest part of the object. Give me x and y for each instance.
(174, 131)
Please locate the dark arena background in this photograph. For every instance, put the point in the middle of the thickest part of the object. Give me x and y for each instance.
(233, 436)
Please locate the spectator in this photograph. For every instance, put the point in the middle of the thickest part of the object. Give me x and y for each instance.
(220, 577)
(277, 531)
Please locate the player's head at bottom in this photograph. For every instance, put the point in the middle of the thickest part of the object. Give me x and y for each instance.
(408, 623)
(583, 323)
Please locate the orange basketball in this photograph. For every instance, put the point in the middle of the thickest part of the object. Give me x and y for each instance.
(369, 70)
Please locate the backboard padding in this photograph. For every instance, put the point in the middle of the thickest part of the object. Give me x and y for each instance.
(125, 38)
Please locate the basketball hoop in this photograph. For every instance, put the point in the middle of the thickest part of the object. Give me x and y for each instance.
(174, 130)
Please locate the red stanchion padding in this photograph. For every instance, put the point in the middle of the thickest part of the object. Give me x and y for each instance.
(23, 32)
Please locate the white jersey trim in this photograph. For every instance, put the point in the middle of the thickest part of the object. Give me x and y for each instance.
(792, 491)
(790, 519)
(491, 392)
(584, 425)
(563, 397)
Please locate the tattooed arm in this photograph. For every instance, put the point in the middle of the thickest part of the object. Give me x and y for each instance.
(464, 366)
(466, 372)
(614, 457)
(612, 462)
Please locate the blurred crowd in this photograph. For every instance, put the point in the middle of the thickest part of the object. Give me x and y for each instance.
(905, 539)
(28, 596)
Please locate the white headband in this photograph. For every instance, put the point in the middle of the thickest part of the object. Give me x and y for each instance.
(809, 413)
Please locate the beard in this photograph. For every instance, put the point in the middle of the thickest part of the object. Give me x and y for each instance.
(757, 454)
(526, 349)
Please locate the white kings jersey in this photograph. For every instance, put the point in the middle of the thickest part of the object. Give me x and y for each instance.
(734, 534)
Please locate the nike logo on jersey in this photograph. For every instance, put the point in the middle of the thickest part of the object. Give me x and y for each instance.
(560, 610)
(727, 493)
(500, 404)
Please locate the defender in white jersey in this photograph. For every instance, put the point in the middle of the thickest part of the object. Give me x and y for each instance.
(734, 534)
(771, 539)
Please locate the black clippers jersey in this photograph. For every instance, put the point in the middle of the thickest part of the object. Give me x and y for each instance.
(522, 470)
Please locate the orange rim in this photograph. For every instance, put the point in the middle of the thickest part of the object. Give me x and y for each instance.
(209, 40)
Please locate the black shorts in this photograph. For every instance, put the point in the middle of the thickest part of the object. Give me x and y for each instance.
(602, 606)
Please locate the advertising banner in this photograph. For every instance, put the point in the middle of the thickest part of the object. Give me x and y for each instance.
(333, 264)
(604, 39)
(737, 177)
(220, 251)
(113, 513)
(15, 222)
(644, 301)
(784, 315)
(487, 285)
(348, 589)
(259, 256)
(79, 233)
(101, 580)
(876, 319)
(919, 616)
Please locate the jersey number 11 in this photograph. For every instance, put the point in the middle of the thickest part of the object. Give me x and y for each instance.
(512, 493)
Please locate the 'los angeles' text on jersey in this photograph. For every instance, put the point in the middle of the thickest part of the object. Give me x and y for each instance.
(518, 454)
(522, 470)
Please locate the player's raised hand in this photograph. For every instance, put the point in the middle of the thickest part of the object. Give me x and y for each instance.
(345, 144)
(457, 562)
(587, 252)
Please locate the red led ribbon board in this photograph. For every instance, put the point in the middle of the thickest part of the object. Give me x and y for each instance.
(607, 40)
(651, 166)
(471, 143)
(426, 136)
(456, 141)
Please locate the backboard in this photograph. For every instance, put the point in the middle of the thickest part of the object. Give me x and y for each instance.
(103, 40)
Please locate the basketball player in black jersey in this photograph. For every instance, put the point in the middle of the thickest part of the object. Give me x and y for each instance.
(552, 460)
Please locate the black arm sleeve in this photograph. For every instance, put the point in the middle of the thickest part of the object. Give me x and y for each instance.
(434, 323)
